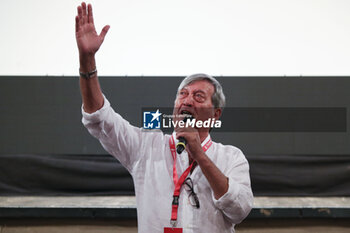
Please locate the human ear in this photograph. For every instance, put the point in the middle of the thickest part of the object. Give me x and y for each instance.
(217, 113)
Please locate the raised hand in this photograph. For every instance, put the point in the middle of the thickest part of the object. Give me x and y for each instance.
(87, 39)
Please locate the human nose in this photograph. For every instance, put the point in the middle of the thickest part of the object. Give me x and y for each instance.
(188, 100)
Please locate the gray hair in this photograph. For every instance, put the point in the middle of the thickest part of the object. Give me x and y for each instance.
(218, 98)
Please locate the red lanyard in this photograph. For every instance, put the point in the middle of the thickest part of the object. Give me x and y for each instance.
(178, 182)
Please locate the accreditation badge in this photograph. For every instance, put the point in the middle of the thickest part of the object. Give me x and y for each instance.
(172, 230)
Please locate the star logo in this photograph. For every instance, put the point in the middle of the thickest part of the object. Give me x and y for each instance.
(156, 115)
(151, 119)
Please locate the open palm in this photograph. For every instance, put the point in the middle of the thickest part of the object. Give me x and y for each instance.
(87, 39)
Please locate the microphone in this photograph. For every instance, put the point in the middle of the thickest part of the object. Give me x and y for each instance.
(181, 145)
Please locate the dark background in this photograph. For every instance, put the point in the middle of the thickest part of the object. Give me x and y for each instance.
(45, 150)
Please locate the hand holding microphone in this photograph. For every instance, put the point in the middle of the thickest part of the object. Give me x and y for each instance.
(181, 145)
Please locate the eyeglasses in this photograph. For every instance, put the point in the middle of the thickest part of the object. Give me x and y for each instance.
(192, 198)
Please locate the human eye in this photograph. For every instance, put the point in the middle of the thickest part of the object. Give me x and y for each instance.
(200, 97)
(182, 93)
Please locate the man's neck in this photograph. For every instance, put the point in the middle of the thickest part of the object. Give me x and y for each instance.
(203, 136)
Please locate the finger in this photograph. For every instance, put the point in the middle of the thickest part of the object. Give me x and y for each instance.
(180, 129)
(80, 15)
(90, 16)
(180, 134)
(185, 130)
(83, 6)
(76, 23)
(104, 32)
(185, 135)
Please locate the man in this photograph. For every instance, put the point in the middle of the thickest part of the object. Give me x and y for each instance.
(205, 189)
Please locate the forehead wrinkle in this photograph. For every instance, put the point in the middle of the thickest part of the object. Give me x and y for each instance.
(205, 90)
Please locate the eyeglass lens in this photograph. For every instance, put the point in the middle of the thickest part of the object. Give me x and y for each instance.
(193, 198)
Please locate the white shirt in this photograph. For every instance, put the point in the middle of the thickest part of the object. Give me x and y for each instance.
(146, 155)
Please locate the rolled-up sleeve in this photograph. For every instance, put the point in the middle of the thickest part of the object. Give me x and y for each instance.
(115, 134)
(237, 202)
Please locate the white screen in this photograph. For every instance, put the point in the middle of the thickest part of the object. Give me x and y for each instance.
(163, 37)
